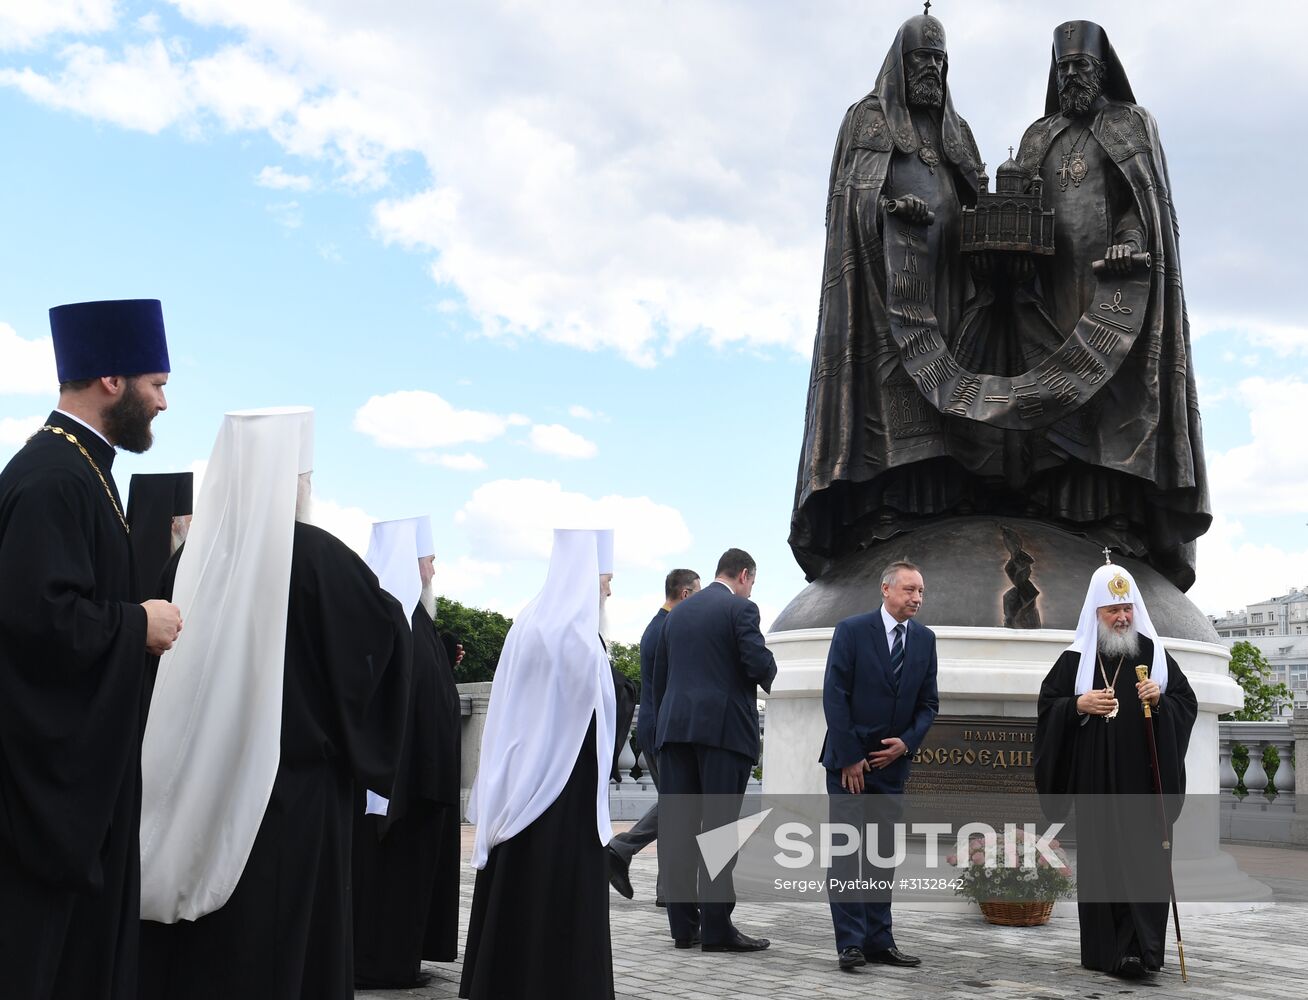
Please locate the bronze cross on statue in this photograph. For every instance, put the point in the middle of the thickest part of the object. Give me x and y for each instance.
(1108, 556)
(1070, 30)
(926, 8)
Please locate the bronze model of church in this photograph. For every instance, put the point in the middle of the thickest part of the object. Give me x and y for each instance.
(1009, 219)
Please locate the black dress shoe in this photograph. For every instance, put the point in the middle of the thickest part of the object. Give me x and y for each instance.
(851, 959)
(1131, 968)
(618, 874)
(737, 942)
(684, 943)
(893, 956)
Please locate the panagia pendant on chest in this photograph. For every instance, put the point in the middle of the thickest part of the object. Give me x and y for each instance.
(1077, 168)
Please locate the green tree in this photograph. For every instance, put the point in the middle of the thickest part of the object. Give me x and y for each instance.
(626, 657)
(1262, 697)
(482, 634)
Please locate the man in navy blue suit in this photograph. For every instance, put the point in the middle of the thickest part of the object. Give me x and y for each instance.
(679, 585)
(709, 665)
(880, 698)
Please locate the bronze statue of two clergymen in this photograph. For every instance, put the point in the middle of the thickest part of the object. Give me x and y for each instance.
(1002, 382)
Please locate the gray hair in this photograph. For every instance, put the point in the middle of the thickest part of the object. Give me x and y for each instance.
(889, 574)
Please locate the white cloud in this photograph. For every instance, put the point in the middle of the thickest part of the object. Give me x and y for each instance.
(14, 431)
(24, 23)
(1234, 571)
(242, 89)
(463, 576)
(26, 366)
(352, 525)
(1268, 474)
(415, 418)
(279, 180)
(605, 216)
(515, 518)
(287, 214)
(466, 462)
(555, 439)
(1283, 339)
(579, 412)
(628, 615)
(143, 90)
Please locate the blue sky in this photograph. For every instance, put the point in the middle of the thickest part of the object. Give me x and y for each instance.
(547, 263)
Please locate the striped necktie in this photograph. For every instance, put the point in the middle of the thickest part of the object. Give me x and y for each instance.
(897, 652)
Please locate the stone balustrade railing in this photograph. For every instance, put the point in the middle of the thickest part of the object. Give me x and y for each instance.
(1254, 736)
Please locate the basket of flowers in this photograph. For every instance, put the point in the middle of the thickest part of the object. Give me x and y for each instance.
(1014, 883)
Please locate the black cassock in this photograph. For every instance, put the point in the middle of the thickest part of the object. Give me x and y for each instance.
(72, 668)
(153, 500)
(285, 933)
(406, 863)
(1103, 766)
(539, 925)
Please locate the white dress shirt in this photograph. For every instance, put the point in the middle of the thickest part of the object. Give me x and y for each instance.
(889, 623)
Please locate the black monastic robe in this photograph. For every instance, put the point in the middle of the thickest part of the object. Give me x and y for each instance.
(406, 863)
(539, 925)
(286, 931)
(72, 667)
(153, 500)
(1103, 766)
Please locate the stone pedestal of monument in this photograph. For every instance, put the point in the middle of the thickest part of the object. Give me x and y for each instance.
(990, 675)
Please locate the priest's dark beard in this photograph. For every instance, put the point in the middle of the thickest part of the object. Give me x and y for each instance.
(926, 90)
(1114, 644)
(127, 422)
(1075, 99)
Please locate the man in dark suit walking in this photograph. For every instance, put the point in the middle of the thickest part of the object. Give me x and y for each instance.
(679, 585)
(880, 699)
(708, 668)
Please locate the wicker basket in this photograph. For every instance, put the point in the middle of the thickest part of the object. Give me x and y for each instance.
(1017, 914)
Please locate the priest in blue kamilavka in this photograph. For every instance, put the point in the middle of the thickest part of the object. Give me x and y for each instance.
(74, 641)
(1092, 749)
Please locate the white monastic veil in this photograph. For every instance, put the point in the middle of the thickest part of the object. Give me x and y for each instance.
(1113, 585)
(393, 553)
(552, 676)
(213, 736)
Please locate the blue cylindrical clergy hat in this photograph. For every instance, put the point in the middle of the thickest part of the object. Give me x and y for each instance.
(117, 337)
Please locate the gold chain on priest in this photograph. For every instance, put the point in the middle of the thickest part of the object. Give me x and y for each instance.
(87, 455)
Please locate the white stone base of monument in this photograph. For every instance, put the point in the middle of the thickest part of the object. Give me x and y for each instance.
(995, 673)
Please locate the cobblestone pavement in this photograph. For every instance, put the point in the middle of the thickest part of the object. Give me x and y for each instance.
(1254, 953)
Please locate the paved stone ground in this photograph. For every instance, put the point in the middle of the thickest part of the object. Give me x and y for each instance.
(1256, 954)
